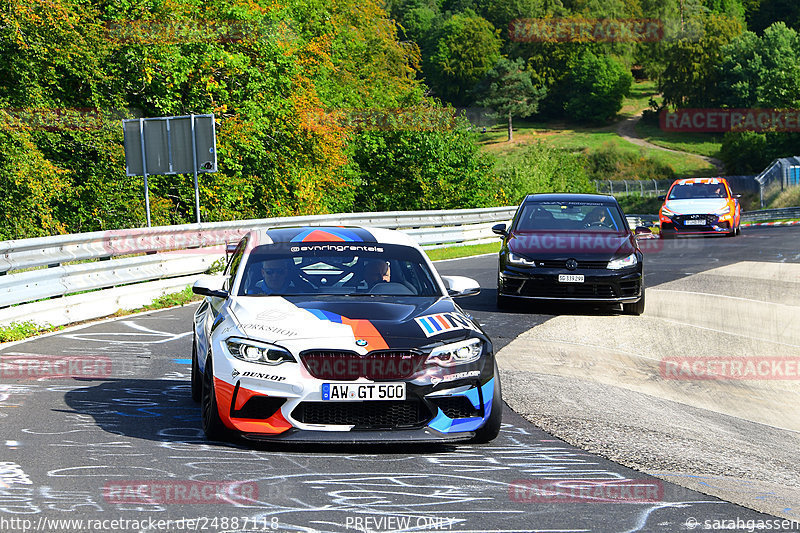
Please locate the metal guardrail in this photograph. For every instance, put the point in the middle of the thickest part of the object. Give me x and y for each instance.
(69, 278)
(132, 266)
(771, 214)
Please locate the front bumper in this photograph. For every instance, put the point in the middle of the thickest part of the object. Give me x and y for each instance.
(603, 286)
(688, 224)
(441, 405)
(424, 435)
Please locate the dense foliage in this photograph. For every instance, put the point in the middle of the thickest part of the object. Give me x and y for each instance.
(307, 95)
(350, 105)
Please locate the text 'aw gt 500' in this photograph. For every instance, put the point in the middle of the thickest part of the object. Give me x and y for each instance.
(331, 334)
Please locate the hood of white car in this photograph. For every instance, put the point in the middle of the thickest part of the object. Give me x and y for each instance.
(378, 322)
(696, 206)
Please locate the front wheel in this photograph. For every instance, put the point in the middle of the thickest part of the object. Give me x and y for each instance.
(491, 428)
(209, 411)
(636, 308)
(503, 302)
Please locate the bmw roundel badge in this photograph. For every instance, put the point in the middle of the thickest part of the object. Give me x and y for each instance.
(361, 342)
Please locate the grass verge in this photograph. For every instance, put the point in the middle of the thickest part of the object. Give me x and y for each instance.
(707, 144)
(454, 252)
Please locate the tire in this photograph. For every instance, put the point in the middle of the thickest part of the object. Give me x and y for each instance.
(503, 302)
(197, 378)
(491, 428)
(209, 413)
(636, 308)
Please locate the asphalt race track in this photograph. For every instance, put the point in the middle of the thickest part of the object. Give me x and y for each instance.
(126, 445)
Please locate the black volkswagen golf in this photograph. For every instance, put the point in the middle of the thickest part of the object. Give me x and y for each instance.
(571, 247)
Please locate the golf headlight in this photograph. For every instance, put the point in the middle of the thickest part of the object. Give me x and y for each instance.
(457, 353)
(515, 259)
(623, 262)
(258, 352)
(725, 211)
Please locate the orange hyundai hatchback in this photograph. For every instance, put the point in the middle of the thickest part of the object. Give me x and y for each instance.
(700, 206)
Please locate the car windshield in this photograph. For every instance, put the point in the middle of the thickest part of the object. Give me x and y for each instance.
(288, 269)
(570, 216)
(698, 190)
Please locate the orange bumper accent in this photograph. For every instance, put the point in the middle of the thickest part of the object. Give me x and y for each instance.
(272, 425)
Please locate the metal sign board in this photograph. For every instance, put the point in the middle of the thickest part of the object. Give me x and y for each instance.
(165, 143)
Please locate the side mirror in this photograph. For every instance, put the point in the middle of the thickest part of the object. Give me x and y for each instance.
(737, 195)
(662, 196)
(500, 229)
(642, 230)
(210, 286)
(459, 286)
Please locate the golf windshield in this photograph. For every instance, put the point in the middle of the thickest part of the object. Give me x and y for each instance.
(570, 216)
(366, 269)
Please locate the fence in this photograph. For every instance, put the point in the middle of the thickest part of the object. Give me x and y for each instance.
(779, 175)
(739, 184)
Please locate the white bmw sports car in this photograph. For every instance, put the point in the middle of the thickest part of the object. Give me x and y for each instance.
(331, 334)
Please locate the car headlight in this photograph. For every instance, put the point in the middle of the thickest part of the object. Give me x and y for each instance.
(258, 352)
(457, 353)
(667, 213)
(623, 262)
(515, 259)
(725, 211)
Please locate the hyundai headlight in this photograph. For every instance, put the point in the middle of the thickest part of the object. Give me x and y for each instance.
(667, 213)
(623, 262)
(724, 211)
(457, 353)
(259, 352)
(515, 259)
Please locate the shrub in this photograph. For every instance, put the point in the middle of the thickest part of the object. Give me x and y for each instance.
(542, 169)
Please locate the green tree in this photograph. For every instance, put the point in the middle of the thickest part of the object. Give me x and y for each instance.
(467, 48)
(762, 14)
(597, 86)
(542, 169)
(761, 71)
(511, 92)
(690, 75)
(410, 170)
